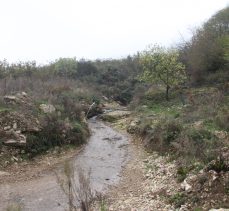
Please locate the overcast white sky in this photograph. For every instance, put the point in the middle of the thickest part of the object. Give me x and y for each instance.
(44, 30)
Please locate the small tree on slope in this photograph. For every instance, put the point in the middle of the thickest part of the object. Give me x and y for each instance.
(161, 65)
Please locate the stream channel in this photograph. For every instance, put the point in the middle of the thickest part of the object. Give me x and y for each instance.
(104, 156)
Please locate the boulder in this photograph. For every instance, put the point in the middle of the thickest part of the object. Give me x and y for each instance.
(47, 108)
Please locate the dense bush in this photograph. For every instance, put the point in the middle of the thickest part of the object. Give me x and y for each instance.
(56, 132)
(207, 51)
(168, 135)
(78, 134)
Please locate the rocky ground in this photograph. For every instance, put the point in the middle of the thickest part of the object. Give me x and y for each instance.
(150, 182)
(147, 182)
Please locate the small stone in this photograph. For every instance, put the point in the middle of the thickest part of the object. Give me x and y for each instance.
(185, 186)
(14, 158)
(15, 126)
(7, 128)
(24, 94)
(4, 173)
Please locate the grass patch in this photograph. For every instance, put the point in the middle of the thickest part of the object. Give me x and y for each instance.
(182, 173)
(178, 199)
(3, 109)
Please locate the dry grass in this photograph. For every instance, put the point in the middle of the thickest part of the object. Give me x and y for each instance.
(77, 187)
(48, 88)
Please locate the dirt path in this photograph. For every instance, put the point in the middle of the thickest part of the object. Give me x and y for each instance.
(147, 182)
(130, 178)
(104, 155)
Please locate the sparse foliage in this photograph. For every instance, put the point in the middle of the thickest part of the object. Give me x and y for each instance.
(77, 187)
(161, 65)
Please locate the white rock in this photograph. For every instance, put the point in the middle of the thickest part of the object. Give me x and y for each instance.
(4, 173)
(185, 186)
(24, 94)
(7, 128)
(14, 158)
(15, 126)
(47, 108)
(10, 98)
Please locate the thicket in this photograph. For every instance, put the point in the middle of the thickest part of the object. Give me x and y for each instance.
(206, 55)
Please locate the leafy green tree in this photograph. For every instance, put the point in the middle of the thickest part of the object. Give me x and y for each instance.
(65, 66)
(161, 65)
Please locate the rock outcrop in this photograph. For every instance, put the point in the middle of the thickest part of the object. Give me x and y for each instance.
(115, 115)
(14, 125)
(20, 98)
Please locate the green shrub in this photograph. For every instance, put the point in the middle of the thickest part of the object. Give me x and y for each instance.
(182, 173)
(56, 132)
(219, 165)
(48, 137)
(172, 130)
(178, 199)
(145, 128)
(198, 144)
(70, 107)
(78, 134)
(220, 76)
(170, 136)
(198, 136)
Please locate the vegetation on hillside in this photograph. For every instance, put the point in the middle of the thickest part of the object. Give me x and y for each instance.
(192, 126)
(206, 54)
